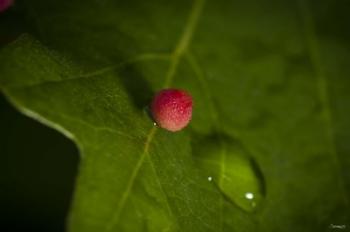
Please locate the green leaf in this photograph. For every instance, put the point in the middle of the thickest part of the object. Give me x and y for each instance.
(269, 82)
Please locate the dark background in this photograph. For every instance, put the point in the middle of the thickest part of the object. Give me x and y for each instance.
(37, 173)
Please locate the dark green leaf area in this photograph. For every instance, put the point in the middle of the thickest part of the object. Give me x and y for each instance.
(270, 123)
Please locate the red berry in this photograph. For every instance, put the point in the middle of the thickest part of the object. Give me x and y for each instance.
(4, 4)
(172, 109)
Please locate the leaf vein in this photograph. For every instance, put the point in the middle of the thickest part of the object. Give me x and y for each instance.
(97, 73)
(175, 58)
(315, 57)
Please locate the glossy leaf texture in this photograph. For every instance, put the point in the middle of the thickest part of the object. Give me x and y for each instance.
(271, 106)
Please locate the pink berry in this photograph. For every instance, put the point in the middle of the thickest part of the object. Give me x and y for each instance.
(172, 109)
(4, 4)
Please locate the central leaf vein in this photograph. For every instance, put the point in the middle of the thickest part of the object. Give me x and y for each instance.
(174, 61)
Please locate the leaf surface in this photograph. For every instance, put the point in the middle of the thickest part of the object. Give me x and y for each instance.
(262, 74)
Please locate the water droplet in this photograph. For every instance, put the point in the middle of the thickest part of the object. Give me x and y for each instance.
(249, 195)
(236, 173)
(154, 124)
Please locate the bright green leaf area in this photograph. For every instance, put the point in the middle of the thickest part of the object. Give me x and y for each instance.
(271, 109)
(234, 171)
